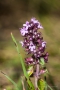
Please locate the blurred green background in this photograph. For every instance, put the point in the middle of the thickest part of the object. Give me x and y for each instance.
(13, 13)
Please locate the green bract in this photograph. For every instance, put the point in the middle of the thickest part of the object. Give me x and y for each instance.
(42, 61)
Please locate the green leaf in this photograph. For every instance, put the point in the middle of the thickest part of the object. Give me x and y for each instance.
(30, 71)
(22, 63)
(42, 62)
(41, 84)
(10, 80)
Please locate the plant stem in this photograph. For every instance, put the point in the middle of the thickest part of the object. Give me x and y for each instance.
(36, 76)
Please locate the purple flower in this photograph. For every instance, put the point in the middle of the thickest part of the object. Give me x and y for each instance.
(40, 26)
(45, 56)
(26, 25)
(44, 44)
(33, 41)
(29, 60)
(23, 31)
(31, 47)
(42, 72)
(36, 22)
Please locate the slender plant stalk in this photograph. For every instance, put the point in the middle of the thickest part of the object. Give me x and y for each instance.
(36, 76)
(22, 83)
(22, 63)
(49, 87)
(10, 80)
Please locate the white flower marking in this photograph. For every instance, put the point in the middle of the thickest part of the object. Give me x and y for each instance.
(44, 44)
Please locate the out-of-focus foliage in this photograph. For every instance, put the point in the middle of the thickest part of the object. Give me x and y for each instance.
(40, 6)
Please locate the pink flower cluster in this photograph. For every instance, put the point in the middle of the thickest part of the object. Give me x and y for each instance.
(33, 41)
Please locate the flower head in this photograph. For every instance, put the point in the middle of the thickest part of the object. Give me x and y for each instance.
(33, 41)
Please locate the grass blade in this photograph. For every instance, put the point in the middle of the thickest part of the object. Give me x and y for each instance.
(50, 87)
(22, 63)
(10, 80)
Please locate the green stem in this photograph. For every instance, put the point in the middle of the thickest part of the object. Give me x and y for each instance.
(10, 80)
(22, 63)
(36, 76)
(50, 87)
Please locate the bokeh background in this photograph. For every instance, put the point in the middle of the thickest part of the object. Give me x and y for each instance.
(13, 13)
